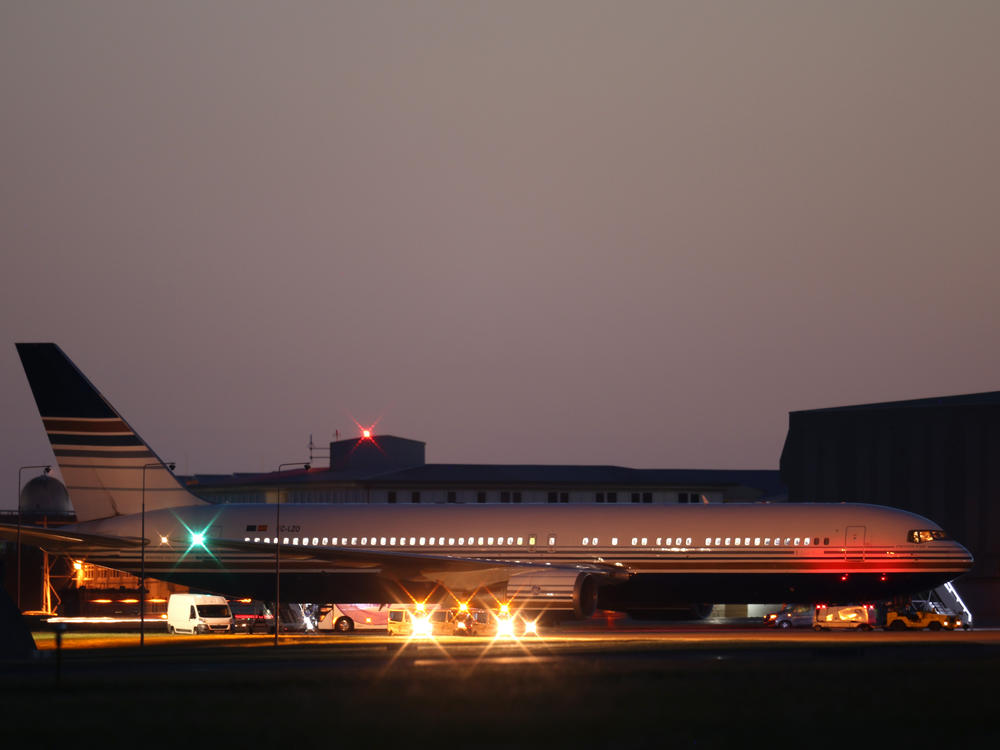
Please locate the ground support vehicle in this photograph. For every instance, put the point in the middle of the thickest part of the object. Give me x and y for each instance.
(414, 620)
(345, 618)
(251, 616)
(919, 615)
(851, 616)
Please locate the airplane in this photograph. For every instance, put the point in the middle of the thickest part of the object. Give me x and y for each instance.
(569, 559)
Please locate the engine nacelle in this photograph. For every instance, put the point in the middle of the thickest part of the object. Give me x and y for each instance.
(555, 590)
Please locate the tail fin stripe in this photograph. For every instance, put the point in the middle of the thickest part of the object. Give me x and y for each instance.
(58, 424)
(109, 440)
(60, 452)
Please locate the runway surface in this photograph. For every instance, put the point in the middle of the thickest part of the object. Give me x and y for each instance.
(572, 637)
(623, 686)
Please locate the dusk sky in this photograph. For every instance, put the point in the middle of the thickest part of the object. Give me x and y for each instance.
(634, 233)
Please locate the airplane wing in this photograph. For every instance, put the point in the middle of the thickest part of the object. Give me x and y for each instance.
(63, 541)
(455, 571)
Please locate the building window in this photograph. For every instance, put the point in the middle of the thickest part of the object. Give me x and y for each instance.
(600, 497)
(635, 497)
(415, 497)
(517, 497)
(452, 497)
(612, 497)
(553, 497)
(647, 497)
(564, 497)
(392, 496)
(480, 497)
(505, 497)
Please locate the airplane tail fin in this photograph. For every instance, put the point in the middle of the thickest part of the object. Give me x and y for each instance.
(101, 457)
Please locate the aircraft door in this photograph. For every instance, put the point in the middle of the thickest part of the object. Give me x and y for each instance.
(854, 542)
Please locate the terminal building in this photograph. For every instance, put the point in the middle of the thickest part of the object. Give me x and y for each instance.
(390, 469)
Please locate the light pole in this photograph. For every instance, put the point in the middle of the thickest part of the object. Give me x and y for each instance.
(277, 551)
(142, 552)
(47, 468)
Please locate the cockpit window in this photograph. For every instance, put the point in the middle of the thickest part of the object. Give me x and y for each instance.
(919, 536)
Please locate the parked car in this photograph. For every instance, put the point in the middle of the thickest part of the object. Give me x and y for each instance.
(791, 616)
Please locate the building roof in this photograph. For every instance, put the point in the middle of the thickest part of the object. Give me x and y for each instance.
(512, 476)
(989, 398)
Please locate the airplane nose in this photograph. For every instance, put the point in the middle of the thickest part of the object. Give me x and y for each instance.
(966, 555)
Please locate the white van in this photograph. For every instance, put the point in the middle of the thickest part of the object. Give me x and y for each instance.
(198, 613)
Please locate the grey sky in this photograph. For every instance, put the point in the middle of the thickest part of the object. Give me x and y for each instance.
(539, 232)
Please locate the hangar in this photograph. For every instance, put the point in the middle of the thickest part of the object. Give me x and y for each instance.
(939, 457)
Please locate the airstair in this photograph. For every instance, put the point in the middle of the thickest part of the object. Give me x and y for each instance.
(948, 596)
